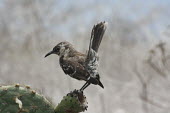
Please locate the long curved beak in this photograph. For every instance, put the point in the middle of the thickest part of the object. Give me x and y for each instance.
(51, 52)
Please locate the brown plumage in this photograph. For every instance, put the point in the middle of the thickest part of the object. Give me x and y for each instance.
(78, 65)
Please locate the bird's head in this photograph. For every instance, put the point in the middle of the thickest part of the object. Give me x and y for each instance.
(61, 49)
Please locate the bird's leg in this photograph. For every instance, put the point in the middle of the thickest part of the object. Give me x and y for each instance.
(82, 88)
(85, 86)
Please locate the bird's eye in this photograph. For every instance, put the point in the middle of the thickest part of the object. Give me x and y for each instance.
(57, 49)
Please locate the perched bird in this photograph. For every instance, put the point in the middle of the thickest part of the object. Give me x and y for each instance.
(78, 65)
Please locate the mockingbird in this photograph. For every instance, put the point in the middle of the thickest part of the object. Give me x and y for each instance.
(78, 65)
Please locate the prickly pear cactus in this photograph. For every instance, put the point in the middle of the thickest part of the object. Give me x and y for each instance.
(74, 102)
(16, 99)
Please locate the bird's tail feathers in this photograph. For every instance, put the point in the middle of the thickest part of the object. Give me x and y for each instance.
(97, 35)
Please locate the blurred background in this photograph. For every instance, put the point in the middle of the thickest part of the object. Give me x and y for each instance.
(134, 54)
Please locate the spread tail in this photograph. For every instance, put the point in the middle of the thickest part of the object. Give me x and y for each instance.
(95, 40)
(97, 35)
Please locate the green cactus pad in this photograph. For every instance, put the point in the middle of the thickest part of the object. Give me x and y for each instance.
(16, 99)
(74, 102)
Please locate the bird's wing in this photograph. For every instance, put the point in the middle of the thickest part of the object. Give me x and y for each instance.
(74, 69)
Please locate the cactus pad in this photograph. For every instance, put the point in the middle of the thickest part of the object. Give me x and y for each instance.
(74, 102)
(16, 99)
